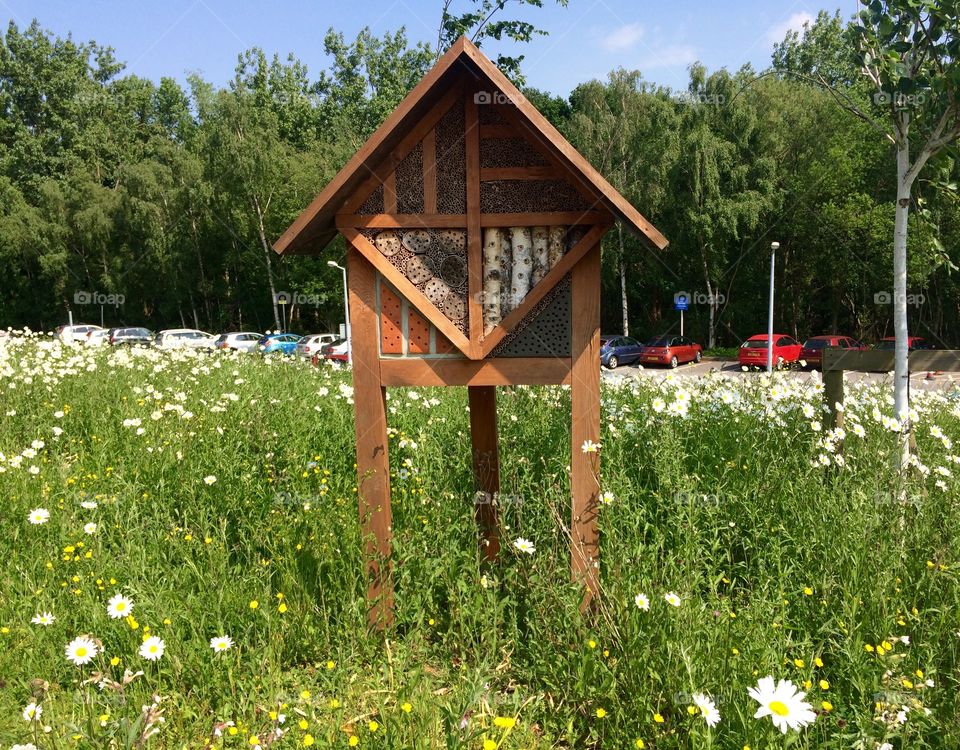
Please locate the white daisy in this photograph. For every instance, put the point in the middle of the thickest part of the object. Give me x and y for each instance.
(782, 703)
(39, 516)
(32, 712)
(119, 606)
(44, 618)
(88, 505)
(152, 648)
(524, 545)
(708, 708)
(672, 599)
(607, 498)
(81, 650)
(589, 446)
(90, 528)
(642, 602)
(221, 643)
(28, 746)
(209, 479)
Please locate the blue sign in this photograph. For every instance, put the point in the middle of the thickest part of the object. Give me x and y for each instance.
(681, 301)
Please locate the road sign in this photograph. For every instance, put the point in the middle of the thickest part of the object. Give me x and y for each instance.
(681, 301)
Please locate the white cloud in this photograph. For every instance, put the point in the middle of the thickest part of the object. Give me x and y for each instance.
(775, 34)
(669, 56)
(623, 38)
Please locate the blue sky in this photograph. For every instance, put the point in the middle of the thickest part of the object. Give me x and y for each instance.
(586, 40)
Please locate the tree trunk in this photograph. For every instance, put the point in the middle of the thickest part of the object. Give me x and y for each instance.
(623, 283)
(901, 383)
(712, 300)
(268, 261)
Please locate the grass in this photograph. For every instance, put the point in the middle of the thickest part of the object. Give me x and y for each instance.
(225, 505)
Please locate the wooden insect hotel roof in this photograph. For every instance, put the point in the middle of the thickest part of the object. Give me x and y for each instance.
(462, 71)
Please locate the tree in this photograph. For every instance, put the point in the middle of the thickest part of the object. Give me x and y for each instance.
(909, 50)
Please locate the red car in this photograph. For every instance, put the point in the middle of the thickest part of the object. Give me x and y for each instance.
(914, 343)
(670, 350)
(753, 351)
(338, 351)
(812, 351)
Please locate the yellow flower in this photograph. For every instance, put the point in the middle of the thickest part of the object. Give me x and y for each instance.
(331, 665)
(407, 708)
(373, 726)
(282, 608)
(114, 661)
(489, 745)
(232, 731)
(658, 718)
(601, 713)
(334, 703)
(799, 663)
(504, 722)
(907, 683)
(303, 724)
(354, 740)
(639, 744)
(827, 706)
(868, 648)
(307, 740)
(919, 673)
(254, 604)
(824, 685)
(818, 662)
(592, 643)
(254, 740)
(305, 694)
(808, 591)
(735, 651)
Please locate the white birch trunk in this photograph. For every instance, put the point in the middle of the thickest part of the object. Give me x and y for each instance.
(541, 255)
(555, 245)
(521, 264)
(492, 282)
(901, 381)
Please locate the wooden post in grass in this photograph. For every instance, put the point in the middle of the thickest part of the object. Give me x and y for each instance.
(462, 154)
(486, 466)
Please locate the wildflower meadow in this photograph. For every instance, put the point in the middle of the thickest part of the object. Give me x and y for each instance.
(181, 564)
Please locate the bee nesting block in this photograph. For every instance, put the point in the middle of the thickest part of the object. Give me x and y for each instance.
(521, 264)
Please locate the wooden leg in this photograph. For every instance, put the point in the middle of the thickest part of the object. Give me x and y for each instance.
(585, 424)
(373, 465)
(833, 394)
(486, 465)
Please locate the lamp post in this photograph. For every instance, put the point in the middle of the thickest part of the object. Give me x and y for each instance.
(346, 308)
(774, 246)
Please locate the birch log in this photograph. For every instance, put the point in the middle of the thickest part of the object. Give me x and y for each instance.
(506, 269)
(541, 257)
(522, 264)
(555, 245)
(492, 284)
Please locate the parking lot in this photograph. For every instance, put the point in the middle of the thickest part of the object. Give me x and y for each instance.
(918, 380)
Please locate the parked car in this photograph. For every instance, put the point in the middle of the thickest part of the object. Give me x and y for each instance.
(338, 351)
(130, 336)
(914, 343)
(244, 341)
(670, 350)
(75, 334)
(310, 345)
(618, 350)
(812, 350)
(284, 343)
(753, 351)
(97, 337)
(184, 338)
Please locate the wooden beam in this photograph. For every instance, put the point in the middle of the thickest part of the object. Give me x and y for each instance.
(401, 221)
(403, 285)
(492, 174)
(430, 172)
(833, 395)
(373, 465)
(386, 167)
(390, 193)
(947, 360)
(585, 424)
(474, 238)
(553, 219)
(486, 466)
(548, 282)
(497, 371)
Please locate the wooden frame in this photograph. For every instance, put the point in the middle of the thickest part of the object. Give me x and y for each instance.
(468, 358)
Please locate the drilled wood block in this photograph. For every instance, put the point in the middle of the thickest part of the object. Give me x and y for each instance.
(530, 196)
(418, 333)
(409, 180)
(452, 162)
(391, 332)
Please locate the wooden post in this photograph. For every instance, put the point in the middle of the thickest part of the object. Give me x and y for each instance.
(833, 393)
(585, 424)
(373, 465)
(486, 466)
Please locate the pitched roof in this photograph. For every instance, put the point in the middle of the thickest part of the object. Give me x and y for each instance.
(315, 227)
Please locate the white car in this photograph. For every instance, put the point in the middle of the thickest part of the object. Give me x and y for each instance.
(245, 341)
(98, 337)
(310, 345)
(76, 334)
(184, 338)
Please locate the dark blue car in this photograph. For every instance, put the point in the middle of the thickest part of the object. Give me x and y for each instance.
(285, 343)
(619, 350)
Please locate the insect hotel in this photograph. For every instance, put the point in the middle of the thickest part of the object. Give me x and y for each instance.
(473, 230)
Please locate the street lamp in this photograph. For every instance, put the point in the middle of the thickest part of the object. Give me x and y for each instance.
(774, 246)
(346, 309)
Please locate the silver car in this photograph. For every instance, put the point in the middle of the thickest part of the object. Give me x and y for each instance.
(184, 338)
(310, 345)
(76, 334)
(245, 341)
